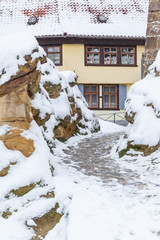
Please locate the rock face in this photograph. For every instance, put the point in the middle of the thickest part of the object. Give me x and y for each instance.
(38, 104)
(45, 223)
(14, 141)
(68, 114)
(153, 34)
(38, 83)
(15, 107)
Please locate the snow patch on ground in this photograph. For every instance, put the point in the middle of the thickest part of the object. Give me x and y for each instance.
(108, 127)
(126, 211)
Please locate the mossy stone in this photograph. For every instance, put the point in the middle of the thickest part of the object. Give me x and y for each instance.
(23, 190)
(62, 139)
(6, 214)
(46, 223)
(49, 195)
(37, 118)
(53, 90)
(123, 152)
(144, 149)
(4, 171)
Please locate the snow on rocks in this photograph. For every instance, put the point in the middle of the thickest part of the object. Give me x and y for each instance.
(38, 104)
(59, 107)
(143, 112)
(14, 52)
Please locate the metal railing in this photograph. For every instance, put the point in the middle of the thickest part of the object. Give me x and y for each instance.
(114, 117)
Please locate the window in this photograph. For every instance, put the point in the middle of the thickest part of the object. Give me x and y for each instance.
(93, 55)
(110, 55)
(127, 56)
(54, 53)
(91, 95)
(107, 96)
(32, 20)
(110, 98)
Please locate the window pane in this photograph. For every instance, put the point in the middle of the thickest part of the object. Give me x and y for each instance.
(113, 50)
(106, 89)
(112, 89)
(130, 50)
(94, 89)
(106, 100)
(94, 100)
(50, 49)
(107, 50)
(96, 58)
(56, 49)
(124, 50)
(113, 59)
(131, 59)
(87, 97)
(87, 89)
(124, 59)
(56, 59)
(113, 101)
(89, 49)
(89, 58)
(50, 56)
(96, 49)
(107, 59)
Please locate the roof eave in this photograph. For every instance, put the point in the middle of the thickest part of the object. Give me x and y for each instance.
(83, 39)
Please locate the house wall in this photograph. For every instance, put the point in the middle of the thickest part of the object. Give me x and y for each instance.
(73, 59)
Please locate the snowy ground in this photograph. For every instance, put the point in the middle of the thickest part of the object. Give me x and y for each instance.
(116, 211)
(127, 210)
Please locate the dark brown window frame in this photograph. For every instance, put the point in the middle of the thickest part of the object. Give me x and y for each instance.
(93, 53)
(110, 53)
(128, 53)
(50, 46)
(102, 97)
(119, 64)
(113, 93)
(92, 85)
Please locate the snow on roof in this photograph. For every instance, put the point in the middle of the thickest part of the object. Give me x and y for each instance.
(125, 18)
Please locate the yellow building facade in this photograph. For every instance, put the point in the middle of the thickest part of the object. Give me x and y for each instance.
(73, 59)
(105, 67)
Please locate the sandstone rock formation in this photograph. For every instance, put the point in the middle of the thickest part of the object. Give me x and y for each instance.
(19, 103)
(38, 104)
(69, 109)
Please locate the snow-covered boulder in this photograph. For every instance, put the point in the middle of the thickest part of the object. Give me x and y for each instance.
(142, 109)
(58, 106)
(30, 82)
(37, 105)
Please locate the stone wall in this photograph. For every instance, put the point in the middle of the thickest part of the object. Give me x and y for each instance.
(153, 34)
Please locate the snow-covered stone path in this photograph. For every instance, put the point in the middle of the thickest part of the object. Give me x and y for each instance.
(109, 198)
(92, 157)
